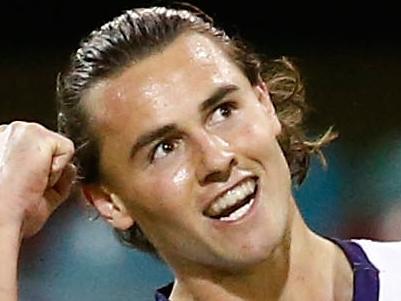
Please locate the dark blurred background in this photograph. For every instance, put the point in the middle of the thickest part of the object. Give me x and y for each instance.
(350, 59)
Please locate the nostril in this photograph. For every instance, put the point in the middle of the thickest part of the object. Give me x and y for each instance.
(216, 176)
(219, 174)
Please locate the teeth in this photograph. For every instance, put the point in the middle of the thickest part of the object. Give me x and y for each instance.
(237, 214)
(232, 197)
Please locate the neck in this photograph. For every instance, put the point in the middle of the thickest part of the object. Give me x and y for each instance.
(303, 266)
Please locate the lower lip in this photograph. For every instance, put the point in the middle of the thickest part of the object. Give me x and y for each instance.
(247, 215)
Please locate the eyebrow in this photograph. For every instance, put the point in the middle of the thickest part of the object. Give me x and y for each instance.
(218, 95)
(151, 136)
(172, 128)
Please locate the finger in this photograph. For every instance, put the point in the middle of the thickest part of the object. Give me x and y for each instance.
(61, 190)
(63, 150)
(54, 177)
(66, 181)
(3, 127)
(63, 144)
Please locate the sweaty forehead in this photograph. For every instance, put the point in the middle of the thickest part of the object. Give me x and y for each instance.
(188, 69)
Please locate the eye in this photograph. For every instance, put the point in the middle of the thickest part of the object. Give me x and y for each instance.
(163, 148)
(222, 112)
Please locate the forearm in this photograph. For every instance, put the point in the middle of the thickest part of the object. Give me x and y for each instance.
(10, 241)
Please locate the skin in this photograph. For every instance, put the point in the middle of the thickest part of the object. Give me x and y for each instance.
(269, 254)
(35, 178)
(165, 186)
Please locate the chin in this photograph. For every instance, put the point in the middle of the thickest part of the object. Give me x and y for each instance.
(248, 257)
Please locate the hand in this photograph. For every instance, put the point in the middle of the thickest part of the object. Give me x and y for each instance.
(35, 175)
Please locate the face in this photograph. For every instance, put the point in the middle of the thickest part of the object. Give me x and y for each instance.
(190, 148)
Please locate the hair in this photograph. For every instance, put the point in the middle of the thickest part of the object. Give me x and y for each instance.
(138, 33)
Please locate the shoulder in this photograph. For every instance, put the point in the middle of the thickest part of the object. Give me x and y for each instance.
(386, 257)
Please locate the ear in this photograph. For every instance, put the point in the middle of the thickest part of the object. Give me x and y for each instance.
(262, 93)
(109, 205)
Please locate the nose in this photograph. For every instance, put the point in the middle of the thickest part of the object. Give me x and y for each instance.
(216, 159)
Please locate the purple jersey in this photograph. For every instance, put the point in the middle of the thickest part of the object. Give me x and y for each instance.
(376, 266)
(386, 256)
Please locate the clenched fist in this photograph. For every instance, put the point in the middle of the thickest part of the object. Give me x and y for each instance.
(35, 175)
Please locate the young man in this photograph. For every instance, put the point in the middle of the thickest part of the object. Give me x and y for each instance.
(187, 144)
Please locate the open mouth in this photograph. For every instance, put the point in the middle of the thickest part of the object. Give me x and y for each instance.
(234, 203)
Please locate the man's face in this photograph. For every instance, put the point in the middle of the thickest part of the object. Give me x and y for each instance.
(190, 148)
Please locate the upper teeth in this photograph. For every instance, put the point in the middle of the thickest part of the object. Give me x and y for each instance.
(231, 197)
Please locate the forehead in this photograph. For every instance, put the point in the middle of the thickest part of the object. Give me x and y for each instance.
(189, 69)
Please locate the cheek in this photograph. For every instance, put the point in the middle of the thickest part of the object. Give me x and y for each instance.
(181, 176)
(254, 135)
(170, 186)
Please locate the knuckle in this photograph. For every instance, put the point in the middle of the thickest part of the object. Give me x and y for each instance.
(26, 128)
(70, 144)
(36, 128)
(16, 124)
(67, 144)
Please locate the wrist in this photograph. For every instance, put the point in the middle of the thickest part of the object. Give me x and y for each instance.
(11, 225)
(11, 232)
(11, 214)
(10, 241)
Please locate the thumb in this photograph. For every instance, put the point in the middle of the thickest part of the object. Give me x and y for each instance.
(63, 151)
(60, 191)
